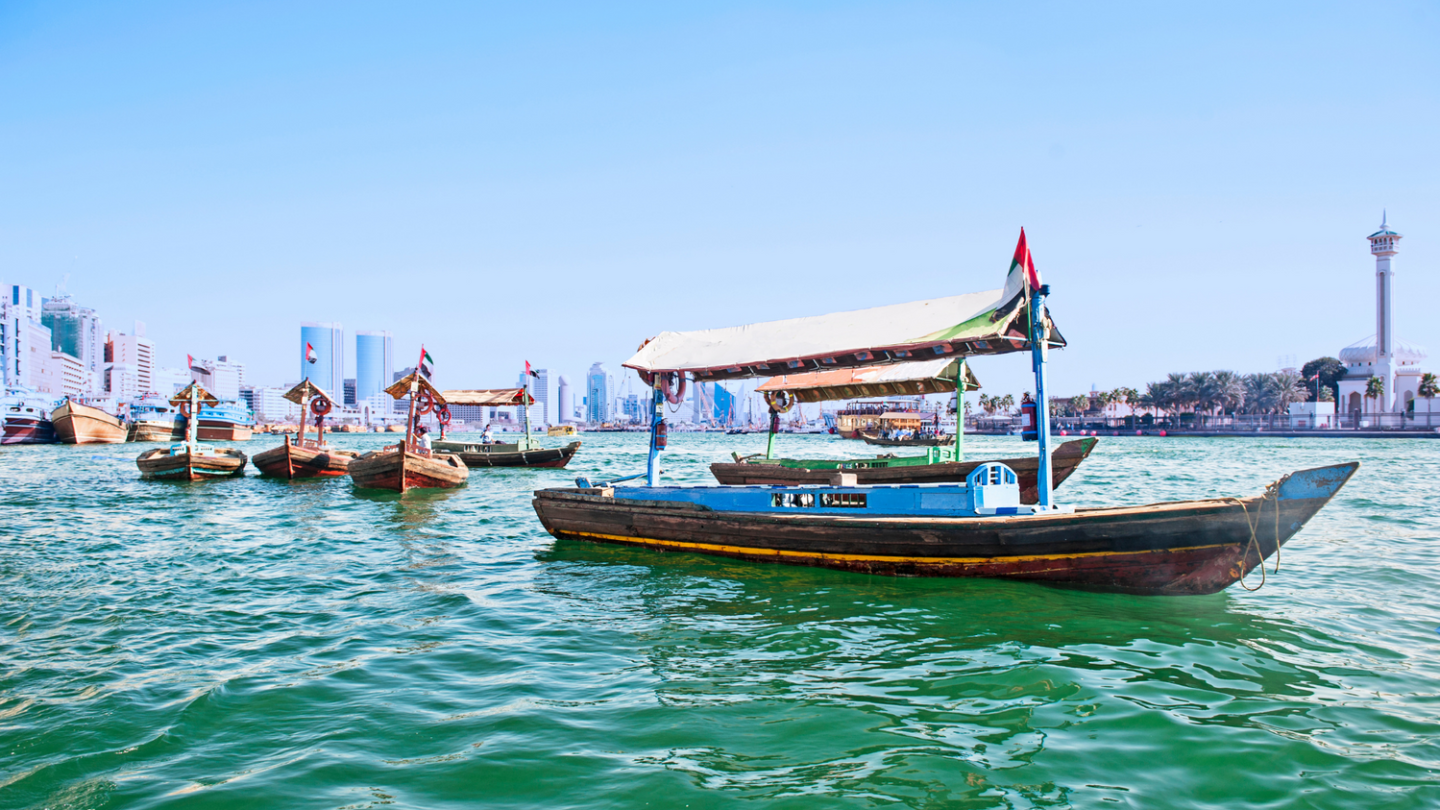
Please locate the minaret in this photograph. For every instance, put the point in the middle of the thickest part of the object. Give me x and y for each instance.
(1382, 245)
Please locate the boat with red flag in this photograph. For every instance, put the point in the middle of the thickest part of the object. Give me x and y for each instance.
(411, 464)
(190, 460)
(525, 451)
(976, 528)
(299, 457)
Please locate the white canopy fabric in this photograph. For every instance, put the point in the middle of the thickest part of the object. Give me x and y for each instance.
(904, 379)
(991, 322)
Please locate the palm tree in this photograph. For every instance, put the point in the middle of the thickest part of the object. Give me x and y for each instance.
(1229, 391)
(1429, 387)
(1374, 389)
(1203, 392)
(1256, 392)
(1007, 403)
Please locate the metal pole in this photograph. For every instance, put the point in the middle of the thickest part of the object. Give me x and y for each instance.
(960, 411)
(1039, 353)
(657, 414)
(774, 425)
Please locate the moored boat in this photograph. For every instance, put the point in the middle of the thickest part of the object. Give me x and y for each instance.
(26, 417)
(226, 422)
(975, 529)
(299, 457)
(409, 464)
(76, 423)
(523, 452)
(930, 440)
(153, 419)
(189, 460)
(561, 430)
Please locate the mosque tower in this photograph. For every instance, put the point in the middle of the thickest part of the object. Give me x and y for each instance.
(1385, 356)
(1382, 247)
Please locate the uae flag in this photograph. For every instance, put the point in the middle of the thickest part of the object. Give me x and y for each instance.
(530, 371)
(427, 363)
(1025, 262)
(310, 355)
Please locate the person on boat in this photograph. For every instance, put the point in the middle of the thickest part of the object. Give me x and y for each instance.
(422, 438)
(487, 437)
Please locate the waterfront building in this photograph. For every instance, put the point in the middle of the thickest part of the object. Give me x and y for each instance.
(220, 377)
(348, 397)
(564, 407)
(270, 405)
(597, 395)
(1395, 362)
(322, 356)
(540, 389)
(75, 331)
(167, 381)
(137, 353)
(25, 342)
(374, 363)
(68, 376)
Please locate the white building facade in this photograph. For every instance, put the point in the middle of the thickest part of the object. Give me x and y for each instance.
(1395, 362)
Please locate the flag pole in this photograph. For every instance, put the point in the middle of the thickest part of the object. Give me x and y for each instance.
(414, 389)
(1039, 349)
(960, 412)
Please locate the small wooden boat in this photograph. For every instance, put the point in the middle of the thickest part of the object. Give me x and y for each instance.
(561, 430)
(408, 465)
(190, 460)
(975, 529)
(882, 470)
(75, 423)
(917, 441)
(509, 455)
(299, 457)
(524, 452)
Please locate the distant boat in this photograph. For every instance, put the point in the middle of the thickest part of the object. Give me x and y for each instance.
(226, 422)
(26, 415)
(189, 461)
(81, 424)
(408, 465)
(299, 457)
(523, 452)
(916, 441)
(154, 419)
(561, 430)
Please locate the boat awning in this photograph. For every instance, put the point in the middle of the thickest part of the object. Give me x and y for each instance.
(183, 395)
(304, 391)
(492, 397)
(991, 322)
(907, 379)
(401, 388)
(896, 416)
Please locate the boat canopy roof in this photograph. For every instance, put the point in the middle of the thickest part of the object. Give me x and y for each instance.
(493, 397)
(907, 379)
(205, 397)
(304, 391)
(401, 388)
(990, 322)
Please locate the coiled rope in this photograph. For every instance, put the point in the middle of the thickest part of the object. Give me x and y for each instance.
(1272, 493)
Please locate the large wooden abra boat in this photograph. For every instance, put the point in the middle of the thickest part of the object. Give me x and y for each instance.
(928, 440)
(190, 460)
(75, 423)
(299, 457)
(524, 452)
(944, 464)
(978, 528)
(409, 465)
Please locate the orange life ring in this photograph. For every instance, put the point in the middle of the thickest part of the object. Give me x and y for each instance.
(780, 401)
(676, 397)
(321, 406)
(185, 409)
(424, 402)
(442, 414)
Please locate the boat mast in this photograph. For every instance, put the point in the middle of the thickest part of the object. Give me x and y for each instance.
(414, 390)
(525, 406)
(1039, 353)
(304, 410)
(960, 411)
(192, 429)
(657, 415)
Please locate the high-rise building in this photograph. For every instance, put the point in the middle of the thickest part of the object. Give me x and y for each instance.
(77, 332)
(374, 363)
(540, 389)
(564, 408)
(220, 377)
(25, 342)
(349, 392)
(322, 356)
(135, 352)
(597, 395)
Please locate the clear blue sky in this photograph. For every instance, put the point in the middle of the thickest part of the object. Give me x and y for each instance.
(557, 183)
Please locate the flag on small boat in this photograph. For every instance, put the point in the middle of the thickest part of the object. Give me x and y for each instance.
(310, 355)
(1024, 260)
(427, 363)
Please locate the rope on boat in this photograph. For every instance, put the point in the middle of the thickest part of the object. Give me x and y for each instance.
(1272, 493)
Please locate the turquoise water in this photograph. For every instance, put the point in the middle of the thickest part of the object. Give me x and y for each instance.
(254, 643)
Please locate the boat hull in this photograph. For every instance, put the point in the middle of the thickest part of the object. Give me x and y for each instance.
(936, 441)
(81, 424)
(161, 464)
(1187, 547)
(551, 457)
(1063, 461)
(157, 431)
(292, 461)
(216, 431)
(399, 469)
(28, 430)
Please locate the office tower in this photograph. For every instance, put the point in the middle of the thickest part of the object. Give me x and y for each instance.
(136, 353)
(220, 377)
(322, 356)
(349, 392)
(77, 332)
(597, 396)
(564, 408)
(374, 364)
(540, 388)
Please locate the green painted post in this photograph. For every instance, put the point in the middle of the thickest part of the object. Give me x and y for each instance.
(960, 411)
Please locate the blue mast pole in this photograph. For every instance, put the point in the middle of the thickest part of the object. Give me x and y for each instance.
(657, 415)
(1039, 354)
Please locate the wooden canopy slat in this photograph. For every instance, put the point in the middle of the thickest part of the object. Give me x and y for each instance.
(304, 391)
(401, 388)
(490, 397)
(206, 398)
(929, 377)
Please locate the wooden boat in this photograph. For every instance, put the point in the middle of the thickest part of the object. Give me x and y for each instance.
(75, 423)
(918, 441)
(882, 470)
(299, 457)
(508, 455)
(26, 417)
(524, 452)
(156, 431)
(190, 460)
(975, 529)
(408, 465)
(561, 430)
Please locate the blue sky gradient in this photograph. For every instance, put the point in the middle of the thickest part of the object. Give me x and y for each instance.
(507, 182)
